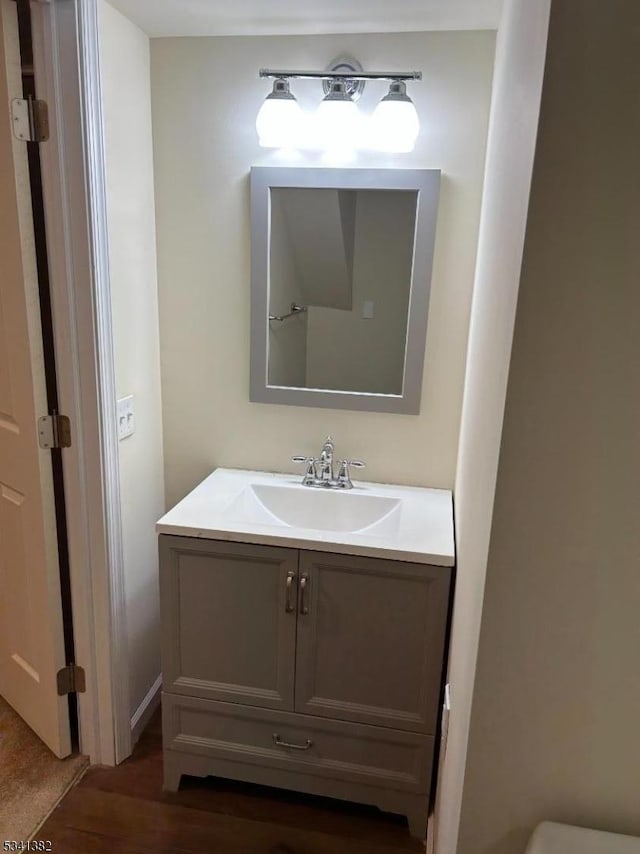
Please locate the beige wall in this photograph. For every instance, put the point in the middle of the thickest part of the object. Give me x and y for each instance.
(554, 731)
(520, 57)
(205, 98)
(131, 231)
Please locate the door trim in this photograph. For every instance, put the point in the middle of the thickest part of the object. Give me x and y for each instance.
(75, 209)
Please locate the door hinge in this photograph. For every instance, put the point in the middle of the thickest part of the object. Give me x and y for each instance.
(30, 119)
(54, 431)
(71, 680)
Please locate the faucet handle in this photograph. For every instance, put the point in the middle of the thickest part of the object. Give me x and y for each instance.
(310, 474)
(343, 481)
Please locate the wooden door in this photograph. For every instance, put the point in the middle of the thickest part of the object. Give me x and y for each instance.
(31, 633)
(371, 637)
(228, 621)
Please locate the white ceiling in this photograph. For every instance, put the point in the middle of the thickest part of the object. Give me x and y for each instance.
(283, 17)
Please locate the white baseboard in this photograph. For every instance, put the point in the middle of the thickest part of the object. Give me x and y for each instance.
(145, 710)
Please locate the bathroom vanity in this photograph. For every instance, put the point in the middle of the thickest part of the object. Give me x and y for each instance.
(304, 636)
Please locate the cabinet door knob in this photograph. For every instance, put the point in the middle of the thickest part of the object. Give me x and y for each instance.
(289, 605)
(304, 587)
(280, 743)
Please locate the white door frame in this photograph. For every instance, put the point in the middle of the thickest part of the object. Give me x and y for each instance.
(66, 58)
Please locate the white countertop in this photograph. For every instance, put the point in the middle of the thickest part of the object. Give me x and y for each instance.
(422, 530)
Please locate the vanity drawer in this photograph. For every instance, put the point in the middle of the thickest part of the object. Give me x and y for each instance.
(338, 750)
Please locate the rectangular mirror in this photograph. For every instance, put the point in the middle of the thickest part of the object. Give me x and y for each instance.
(341, 268)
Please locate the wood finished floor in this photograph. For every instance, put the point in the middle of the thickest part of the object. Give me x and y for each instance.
(124, 809)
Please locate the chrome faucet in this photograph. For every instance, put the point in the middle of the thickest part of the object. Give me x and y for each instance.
(320, 472)
(324, 466)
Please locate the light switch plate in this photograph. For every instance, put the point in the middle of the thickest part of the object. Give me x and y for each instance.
(126, 417)
(367, 309)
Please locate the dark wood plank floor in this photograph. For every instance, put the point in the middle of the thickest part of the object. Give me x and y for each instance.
(124, 809)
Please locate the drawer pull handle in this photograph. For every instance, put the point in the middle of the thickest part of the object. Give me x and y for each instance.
(289, 605)
(280, 743)
(304, 586)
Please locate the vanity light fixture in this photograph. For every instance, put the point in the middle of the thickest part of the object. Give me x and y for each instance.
(337, 122)
(280, 118)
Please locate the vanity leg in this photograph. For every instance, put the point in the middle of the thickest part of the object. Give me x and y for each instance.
(172, 775)
(418, 819)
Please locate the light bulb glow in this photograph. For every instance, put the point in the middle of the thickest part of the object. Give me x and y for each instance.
(278, 124)
(338, 123)
(394, 125)
(279, 120)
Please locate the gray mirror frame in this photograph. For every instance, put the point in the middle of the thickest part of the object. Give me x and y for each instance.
(427, 184)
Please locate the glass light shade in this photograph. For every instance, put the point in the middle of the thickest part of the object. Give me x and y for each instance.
(337, 120)
(279, 120)
(394, 125)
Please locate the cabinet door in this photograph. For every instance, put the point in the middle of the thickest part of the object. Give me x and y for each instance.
(371, 637)
(228, 621)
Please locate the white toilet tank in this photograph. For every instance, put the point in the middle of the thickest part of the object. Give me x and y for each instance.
(551, 838)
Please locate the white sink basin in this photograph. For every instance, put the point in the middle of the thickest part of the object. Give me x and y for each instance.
(315, 509)
(407, 523)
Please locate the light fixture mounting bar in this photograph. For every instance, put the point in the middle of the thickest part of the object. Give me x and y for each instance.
(342, 75)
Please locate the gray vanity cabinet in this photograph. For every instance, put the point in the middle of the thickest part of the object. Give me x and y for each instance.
(304, 670)
(228, 630)
(370, 641)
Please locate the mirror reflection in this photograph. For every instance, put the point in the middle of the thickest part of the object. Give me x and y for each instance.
(340, 268)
